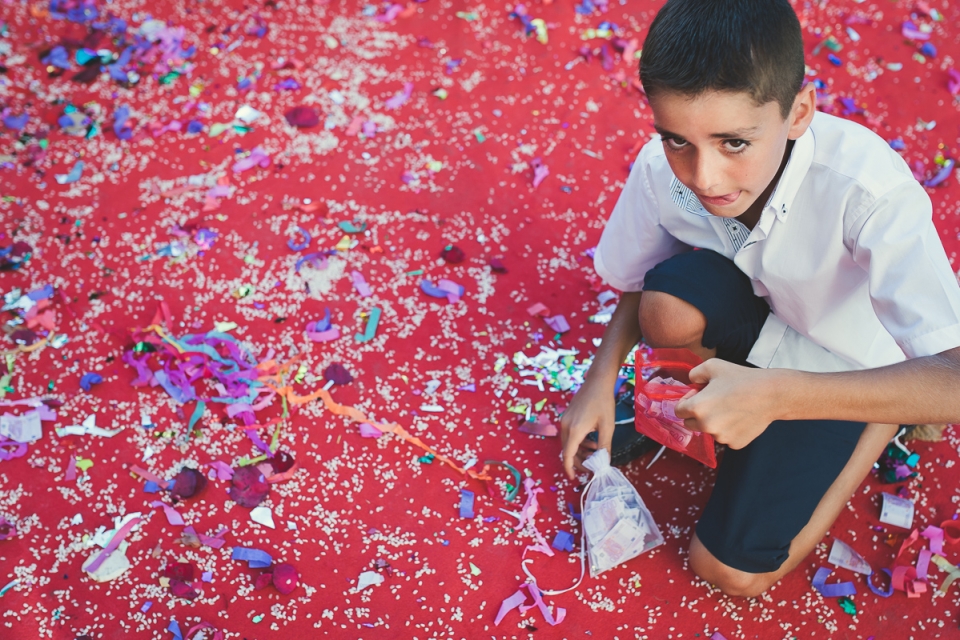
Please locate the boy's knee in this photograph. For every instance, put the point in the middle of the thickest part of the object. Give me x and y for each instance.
(730, 581)
(668, 322)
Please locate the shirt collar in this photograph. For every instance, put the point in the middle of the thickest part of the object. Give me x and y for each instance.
(793, 174)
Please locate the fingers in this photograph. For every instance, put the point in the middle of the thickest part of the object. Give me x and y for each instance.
(570, 448)
(683, 409)
(700, 374)
(587, 447)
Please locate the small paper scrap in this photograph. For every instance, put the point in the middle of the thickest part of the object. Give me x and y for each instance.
(368, 579)
(87, 428)
(263, 515)
(896, 511)
(466, 503)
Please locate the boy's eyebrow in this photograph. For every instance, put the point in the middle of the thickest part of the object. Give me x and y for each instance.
(736, 133)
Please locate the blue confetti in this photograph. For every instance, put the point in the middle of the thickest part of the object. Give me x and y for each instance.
(90, 379)
(255, 558)
(73, 176)
(563, 541)
(466, 503)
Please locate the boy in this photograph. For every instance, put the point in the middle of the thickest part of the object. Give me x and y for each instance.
(820, 296)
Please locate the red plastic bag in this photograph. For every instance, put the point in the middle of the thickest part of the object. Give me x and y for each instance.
(655, 399)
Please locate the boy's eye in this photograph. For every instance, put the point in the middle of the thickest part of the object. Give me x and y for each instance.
(736, 145)
(675, 143)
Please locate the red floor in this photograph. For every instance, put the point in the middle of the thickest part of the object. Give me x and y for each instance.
(434, 172)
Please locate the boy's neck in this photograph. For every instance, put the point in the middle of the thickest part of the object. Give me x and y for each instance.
(751, 216)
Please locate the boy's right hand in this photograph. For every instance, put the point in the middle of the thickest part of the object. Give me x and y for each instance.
(592, 409)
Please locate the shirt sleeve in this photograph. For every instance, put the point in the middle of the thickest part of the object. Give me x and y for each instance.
(913, 288)
(633, 240)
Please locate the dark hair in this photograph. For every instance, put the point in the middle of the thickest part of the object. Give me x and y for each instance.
(753, 46)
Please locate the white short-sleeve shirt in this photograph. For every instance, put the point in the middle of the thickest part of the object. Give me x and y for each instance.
(845, 251)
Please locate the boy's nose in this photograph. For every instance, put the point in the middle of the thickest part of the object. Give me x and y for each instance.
(706, 176)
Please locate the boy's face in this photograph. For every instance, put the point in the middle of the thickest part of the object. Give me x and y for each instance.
(724, 147)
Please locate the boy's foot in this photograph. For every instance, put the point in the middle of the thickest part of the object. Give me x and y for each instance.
(628, 443)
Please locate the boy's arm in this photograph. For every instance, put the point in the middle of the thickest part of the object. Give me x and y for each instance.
(592, 407)
(739, 403)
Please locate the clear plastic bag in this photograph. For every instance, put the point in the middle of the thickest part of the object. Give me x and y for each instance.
(617, 525)
(656, 399)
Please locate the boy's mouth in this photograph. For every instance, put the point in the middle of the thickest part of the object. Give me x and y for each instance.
(719, 201)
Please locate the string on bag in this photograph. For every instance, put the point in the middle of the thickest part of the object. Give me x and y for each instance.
(583, 551)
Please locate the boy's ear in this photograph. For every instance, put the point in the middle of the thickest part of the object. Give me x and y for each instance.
(804, 108)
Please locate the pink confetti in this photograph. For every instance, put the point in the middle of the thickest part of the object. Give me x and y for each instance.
(367, 430)
(538, 309)
(360, 284)
(401, 98)
(173, 516)
(558, 324)
(257, 157)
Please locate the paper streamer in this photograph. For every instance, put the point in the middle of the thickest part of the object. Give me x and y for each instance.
(318, 260)
(509, 604)
(877, 590)
(952, 571)
(115, 541)
(300, 246)
(357, 416)
(544, 610)
(255, 558)
(371, 329)
(831, 590)
(363, 289)
(444, 289)
(9, 449)
(951, 531)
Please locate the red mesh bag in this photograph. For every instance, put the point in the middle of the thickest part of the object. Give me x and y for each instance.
(655, 399)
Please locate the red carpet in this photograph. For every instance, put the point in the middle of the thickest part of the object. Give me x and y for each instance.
(160, 212)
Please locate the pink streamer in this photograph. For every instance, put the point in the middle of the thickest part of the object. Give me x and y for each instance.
(509, 605)
(527, 514)
(935, 536)
(544, 610)
(115, 541)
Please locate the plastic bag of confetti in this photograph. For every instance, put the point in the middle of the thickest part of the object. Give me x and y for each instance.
(655, 401)
(616, 524)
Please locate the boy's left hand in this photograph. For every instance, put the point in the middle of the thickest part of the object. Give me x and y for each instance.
(735, 406)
